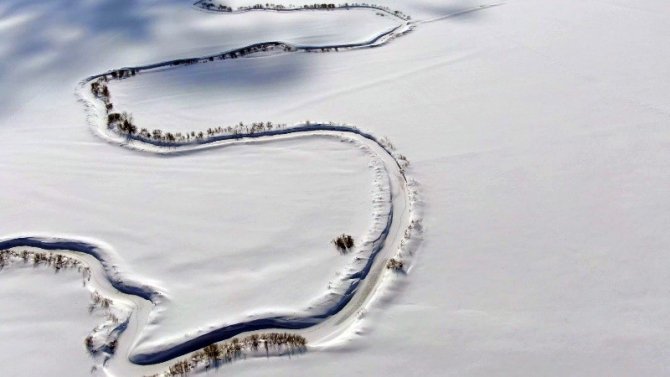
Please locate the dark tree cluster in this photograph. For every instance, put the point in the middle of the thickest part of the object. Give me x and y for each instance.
(220, 7)
(99, 89)
(344, 243)
(320, 6)
(122, 122)
(123, 73)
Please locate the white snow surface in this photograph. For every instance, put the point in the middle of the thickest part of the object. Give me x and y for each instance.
(537, 129)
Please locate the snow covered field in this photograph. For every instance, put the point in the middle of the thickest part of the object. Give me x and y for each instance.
(538, 131)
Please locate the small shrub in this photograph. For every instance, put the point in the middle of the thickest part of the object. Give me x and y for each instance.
(113, 117)
(97, 301)
(395, 264)
(88, 342)
(212, 352)
(181, 368)
(113, 345)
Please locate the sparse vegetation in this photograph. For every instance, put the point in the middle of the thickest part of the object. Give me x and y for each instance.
(395, 264)
(57, 262)
(344, 243)
(98, 301)
(402, 161)
(386, 143)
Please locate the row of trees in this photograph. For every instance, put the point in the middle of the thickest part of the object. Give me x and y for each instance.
(179, 137)
(209, 5)
(267, 6)
(214, 355)
(260, 47)
(43, 258)
(124, 124)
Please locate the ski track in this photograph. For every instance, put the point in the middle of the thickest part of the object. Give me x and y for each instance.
(335, 312)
